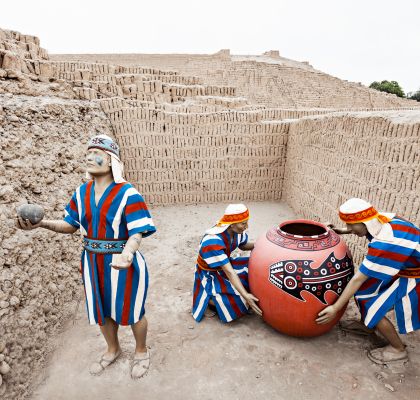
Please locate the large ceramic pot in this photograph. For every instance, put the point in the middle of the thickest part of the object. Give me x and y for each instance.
(296, 270)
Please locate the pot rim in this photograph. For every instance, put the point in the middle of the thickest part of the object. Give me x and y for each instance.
(303, 221)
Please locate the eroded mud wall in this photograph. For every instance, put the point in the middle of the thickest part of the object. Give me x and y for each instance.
(42, 156)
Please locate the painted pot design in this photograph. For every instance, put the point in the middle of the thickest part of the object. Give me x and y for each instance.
(296, 270)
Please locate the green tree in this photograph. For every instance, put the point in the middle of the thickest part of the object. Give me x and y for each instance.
(414, 95)
(389, 87)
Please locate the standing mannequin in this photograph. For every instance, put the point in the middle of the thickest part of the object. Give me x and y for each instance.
(113, 219)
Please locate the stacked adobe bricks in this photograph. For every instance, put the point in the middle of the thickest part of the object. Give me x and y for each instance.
(269, 79)
(20, 54)
(183, 141)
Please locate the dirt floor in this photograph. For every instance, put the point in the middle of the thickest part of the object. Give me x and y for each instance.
(243, 360)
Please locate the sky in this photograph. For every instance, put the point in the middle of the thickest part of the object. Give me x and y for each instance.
(358, 40)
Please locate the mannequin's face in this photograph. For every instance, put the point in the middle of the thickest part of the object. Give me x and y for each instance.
(239, 228)
(98, 163)
(358, 229)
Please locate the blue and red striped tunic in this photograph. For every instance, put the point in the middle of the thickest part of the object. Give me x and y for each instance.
(389, 264)
(212, 283)
(120, 213)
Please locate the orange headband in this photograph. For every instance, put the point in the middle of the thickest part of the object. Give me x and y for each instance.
(360, 216)
(234, 218)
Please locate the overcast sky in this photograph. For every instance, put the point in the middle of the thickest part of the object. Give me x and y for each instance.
(357, 40)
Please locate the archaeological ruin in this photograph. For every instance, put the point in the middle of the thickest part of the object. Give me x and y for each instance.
(193, 129)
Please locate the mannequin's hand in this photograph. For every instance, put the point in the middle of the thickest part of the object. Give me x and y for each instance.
(122, 261)
(25, 224)
(326, 315)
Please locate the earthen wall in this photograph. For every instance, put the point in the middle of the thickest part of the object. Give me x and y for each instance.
(42, 161)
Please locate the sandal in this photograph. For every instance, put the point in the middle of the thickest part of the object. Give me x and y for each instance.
(106, 360)
(140, 364)
(383, 356)
(356, 327)
(211, 311)
(209, 314)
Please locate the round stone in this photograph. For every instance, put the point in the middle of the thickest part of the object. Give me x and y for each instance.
(33, 212)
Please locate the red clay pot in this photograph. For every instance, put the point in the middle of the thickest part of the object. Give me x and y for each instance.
(296, 270)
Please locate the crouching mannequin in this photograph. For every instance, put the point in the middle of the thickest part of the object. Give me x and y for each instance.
(221, 281)
(388, 278)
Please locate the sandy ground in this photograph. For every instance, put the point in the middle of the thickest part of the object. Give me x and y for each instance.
(244, 360)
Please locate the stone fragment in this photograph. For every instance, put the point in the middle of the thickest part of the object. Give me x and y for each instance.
(14, 301)
(4, 304)
(3, 389)
(4, 368)
(390, 387)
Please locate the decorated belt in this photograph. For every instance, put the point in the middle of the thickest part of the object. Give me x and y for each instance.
(104, 246)
(201, 264)
(410, 273)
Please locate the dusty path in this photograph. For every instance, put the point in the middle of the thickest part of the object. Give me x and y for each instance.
(244, 360)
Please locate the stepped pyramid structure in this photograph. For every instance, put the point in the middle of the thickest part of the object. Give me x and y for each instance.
(268, 79)
(192, 129)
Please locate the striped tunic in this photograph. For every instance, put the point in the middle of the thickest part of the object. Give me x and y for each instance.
(385, 288)
(212, 283)
(121, 212)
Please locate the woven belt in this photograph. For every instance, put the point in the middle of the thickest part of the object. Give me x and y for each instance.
(201, 264)
(410, 273)
(104, 246)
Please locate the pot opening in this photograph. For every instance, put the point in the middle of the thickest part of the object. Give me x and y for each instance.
(302, 229)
